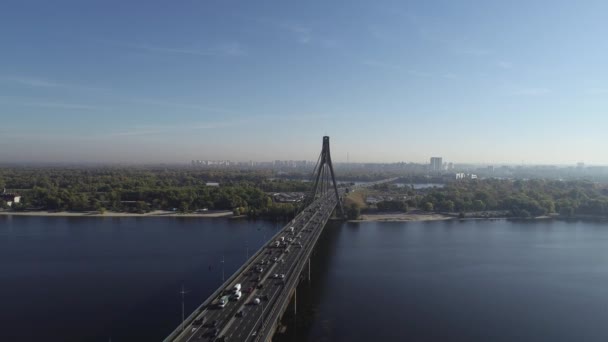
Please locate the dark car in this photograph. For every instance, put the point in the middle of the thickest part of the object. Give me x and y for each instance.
(199, 321)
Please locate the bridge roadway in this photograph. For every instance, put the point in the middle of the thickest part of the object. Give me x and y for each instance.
(258, 321)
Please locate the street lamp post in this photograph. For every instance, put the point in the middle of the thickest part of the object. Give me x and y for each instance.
(222, 268)
(183, 307)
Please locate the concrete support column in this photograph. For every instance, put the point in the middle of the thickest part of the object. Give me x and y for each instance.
(309, 270)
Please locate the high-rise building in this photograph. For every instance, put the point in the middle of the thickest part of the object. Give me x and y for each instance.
(436, 163)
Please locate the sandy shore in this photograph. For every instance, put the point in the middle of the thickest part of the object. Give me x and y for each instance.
(155, 213)
(395, 217)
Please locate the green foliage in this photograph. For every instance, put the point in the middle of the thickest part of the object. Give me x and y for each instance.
(142, 190)
(353, 212)
(428, 206)
(392, 206)
(520, 198)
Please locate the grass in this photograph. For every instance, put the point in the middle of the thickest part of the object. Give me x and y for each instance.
(357, 197)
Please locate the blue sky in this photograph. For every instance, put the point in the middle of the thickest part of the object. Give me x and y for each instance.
(171, 81)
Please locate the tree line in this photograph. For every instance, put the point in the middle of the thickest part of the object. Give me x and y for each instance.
(142, 190)
(520, 198)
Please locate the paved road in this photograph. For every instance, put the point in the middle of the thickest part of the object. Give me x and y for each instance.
(273, 260)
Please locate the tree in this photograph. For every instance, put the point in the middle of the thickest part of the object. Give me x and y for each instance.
(353, 212)
(478, 205)
(428, 206)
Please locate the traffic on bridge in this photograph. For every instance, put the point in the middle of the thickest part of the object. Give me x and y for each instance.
(249, 305)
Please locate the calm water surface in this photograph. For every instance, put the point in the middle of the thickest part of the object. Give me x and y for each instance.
(89, 279)
(456, 281)
(92, 279)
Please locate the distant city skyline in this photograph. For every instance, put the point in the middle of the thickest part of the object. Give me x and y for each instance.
(144, 82)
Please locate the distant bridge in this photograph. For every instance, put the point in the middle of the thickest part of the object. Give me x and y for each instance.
(249, 305)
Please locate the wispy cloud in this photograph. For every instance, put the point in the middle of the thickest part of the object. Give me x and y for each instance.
(409, 71)
(232, 49)
(461, 49)
(597, 91)
(531, 91)
(303, 33)
(182, 127)
(37, 82)
(182, 105)
(432, 33)
(504, 64)
(47, 104)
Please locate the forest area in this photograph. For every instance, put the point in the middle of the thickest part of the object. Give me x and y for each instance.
(145, 189)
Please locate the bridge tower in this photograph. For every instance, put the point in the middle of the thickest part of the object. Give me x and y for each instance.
(325, 179)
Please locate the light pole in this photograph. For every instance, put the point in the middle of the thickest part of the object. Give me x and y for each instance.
(222, 268)
(183, 307)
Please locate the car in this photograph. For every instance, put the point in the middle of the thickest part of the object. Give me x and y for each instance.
(256, 301)
(275, 276)
(275, 259)
(213, 323)
(260, 285)
(282, 276)
(265, 297)
(199, 321)
(239, 313)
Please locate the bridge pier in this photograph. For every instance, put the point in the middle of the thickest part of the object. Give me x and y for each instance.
(295, 301)
(309, 269)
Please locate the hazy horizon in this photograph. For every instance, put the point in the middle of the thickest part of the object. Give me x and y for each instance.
(472, 82)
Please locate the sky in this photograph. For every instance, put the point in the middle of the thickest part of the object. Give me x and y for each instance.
(388, 81)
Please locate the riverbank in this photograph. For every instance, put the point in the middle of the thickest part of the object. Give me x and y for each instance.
(418, 215)
(401, 216)
(155, 213)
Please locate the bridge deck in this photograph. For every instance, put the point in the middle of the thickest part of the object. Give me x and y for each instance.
(257, 321)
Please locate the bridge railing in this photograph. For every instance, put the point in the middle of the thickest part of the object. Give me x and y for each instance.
(178, 331)
(266, 330)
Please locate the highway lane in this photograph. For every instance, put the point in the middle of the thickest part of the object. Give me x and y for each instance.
(225, 316)
(282, 301)
(260, 318)
(246, 328)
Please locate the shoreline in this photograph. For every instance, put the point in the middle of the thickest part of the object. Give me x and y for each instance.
(422, 217)
(416, 216)
(402, 217)
(155, 213)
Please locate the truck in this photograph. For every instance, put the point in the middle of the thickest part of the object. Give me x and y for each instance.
(291, 229)
(236, 288)
(237, 295)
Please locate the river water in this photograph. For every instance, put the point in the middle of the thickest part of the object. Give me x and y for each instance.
(91, 279)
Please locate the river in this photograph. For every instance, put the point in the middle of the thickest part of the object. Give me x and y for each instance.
(92, 279)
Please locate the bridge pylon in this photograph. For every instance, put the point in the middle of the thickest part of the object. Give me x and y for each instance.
(325, 179)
